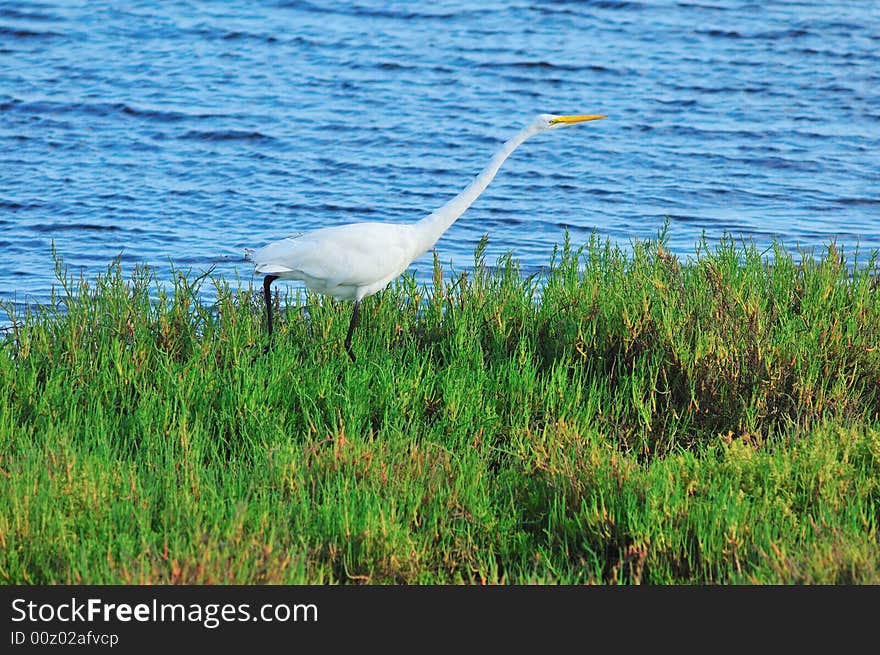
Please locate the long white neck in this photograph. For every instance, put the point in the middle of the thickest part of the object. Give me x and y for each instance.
(432, 227)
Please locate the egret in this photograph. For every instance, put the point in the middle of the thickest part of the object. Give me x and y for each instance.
(353, 261)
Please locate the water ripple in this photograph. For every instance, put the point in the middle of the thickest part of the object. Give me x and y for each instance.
(226, 135)
(193, 130)
(24, 33)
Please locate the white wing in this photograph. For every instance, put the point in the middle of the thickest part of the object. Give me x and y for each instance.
(355, 255)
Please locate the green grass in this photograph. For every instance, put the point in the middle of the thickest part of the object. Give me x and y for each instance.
(627, 417)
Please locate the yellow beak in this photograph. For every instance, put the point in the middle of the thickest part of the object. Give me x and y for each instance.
(569, 120)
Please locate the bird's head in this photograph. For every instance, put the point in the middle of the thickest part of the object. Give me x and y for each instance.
(546, 122)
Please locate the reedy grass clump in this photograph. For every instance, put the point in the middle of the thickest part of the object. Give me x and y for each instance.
(624, 417)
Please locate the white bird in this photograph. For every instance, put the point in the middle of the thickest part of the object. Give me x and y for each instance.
(353, 261)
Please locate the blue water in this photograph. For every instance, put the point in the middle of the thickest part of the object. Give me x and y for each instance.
(188, 131)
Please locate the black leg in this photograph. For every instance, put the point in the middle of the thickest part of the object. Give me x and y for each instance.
(351, 326)
(267, 281)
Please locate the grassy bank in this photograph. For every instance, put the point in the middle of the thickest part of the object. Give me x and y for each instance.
(642, 419)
